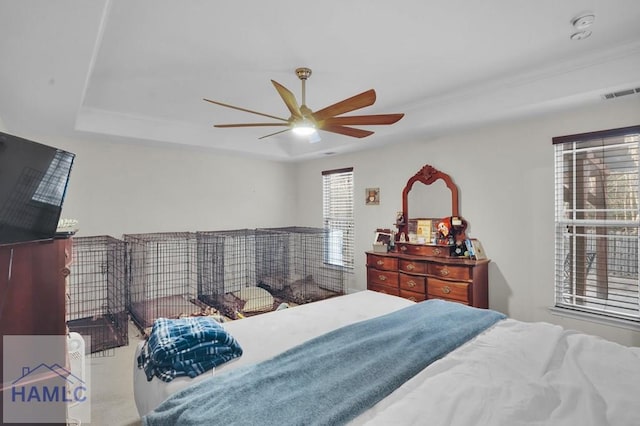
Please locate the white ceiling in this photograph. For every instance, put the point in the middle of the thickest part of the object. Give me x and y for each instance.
(136, 71)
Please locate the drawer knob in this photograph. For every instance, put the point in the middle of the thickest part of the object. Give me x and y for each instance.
(380, 262)
(410, 267)
(444, 271)
(446, 289)
(382, 277)
(412, 298)
(436, 251)
(411, 283)
(403, 248)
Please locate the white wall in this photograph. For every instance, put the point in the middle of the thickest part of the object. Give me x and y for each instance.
(118, 188)
(505, 173)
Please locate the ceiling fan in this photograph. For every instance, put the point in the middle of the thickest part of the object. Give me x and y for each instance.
(330, 119)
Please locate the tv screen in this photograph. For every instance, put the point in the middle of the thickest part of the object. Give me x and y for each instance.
(33, 184)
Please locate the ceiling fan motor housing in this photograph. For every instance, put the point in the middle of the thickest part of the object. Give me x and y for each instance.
(303, 73)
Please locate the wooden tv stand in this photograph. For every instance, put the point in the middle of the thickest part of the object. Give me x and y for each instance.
(32, 297)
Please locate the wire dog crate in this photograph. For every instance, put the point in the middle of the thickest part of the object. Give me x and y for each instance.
(293, 267)
(247, 272)
(227, 273)
(96, 306)
(162, 280)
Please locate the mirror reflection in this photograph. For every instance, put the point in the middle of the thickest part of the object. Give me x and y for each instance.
(429, 201)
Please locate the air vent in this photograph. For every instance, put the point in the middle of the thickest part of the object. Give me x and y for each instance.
(620, 93)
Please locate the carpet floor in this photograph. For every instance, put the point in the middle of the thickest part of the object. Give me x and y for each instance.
(111, 386)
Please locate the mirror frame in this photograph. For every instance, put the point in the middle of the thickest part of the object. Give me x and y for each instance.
(427, 175)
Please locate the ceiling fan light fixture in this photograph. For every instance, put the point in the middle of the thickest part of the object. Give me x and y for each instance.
(303, 121)
(314, 137)
(304, 128)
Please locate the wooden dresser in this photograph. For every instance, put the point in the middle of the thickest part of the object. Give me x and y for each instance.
(32, 289)
(419, 278)
(429, 270)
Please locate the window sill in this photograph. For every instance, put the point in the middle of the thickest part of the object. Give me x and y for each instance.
(599, 319)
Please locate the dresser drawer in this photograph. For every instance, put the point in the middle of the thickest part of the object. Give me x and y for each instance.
(382, 262)
(413, 283)
(383, 289)
(412, 266)
(415, 297)
(454, 272)
(388, 278)
(441, 289)
(423, 250)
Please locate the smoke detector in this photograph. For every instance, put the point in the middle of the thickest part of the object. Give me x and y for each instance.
(580, 35)
(582, 23)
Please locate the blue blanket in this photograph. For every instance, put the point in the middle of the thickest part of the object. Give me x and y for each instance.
(333, 378)
(186, 347)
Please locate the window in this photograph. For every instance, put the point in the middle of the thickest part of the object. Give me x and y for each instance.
(337, 214)
(596, 222)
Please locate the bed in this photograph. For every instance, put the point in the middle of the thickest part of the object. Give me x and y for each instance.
(511, 373)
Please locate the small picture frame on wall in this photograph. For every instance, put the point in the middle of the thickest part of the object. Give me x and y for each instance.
(372, 196)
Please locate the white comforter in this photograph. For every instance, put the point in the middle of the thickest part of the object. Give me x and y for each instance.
(515, 373)
(520, 373)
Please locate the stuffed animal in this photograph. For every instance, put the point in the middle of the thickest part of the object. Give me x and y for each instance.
(444, 231)
(452, 231)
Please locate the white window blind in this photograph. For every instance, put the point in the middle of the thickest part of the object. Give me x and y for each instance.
(337, 213)
(597, 220)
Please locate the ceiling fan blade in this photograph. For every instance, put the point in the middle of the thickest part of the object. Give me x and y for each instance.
(245, 110)
(289, 99)
(273, 134)
(353, 103)
(250, 125)
(364, 119)
(348, 131)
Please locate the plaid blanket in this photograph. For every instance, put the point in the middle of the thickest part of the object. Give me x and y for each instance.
(186, 347)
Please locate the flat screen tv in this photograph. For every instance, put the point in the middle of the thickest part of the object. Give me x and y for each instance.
(33, 184)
